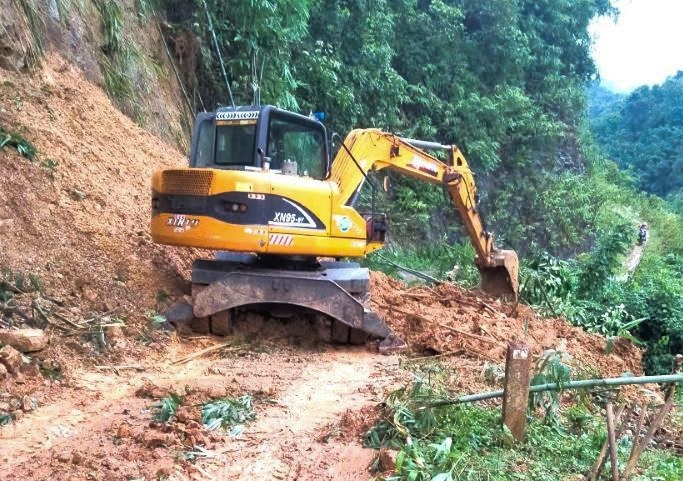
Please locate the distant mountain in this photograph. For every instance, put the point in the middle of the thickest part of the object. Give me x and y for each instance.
(643, 131)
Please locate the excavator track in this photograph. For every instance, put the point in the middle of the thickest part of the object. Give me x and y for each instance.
(335, 290)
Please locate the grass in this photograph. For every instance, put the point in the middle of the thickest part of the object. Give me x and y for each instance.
(112, 26)
(18, 282)
(467, 442)
(436, 260)
(35, 24)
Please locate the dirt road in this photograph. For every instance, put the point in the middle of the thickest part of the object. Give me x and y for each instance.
(100, 426)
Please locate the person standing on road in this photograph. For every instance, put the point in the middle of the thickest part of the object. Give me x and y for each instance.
(642, 234)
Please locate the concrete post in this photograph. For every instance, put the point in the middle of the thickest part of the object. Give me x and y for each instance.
(516, 390)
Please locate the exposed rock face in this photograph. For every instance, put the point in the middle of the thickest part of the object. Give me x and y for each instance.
(24, 340)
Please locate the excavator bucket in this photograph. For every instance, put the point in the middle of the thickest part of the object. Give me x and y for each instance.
(500, 277)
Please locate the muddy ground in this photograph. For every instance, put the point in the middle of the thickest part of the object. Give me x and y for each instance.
(76, 219)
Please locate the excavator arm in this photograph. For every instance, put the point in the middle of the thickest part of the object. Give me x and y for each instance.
(367, 150)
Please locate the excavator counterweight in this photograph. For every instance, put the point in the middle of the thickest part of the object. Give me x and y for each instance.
(261, 190)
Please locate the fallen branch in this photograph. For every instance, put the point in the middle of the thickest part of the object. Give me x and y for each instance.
(15, 310)
(100, 316)
(208, 350)
(422, 275)
(68, 321)
(437, 356)
(125, 366)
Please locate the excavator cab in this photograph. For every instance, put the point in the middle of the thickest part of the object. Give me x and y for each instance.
(253, 138)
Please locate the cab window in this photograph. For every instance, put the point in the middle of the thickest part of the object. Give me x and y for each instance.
(235, 144)
(204, 156)
(294, 141)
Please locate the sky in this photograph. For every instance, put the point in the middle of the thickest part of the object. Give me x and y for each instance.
(644, 47)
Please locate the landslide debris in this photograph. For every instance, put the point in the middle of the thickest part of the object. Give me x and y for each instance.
(468, 329)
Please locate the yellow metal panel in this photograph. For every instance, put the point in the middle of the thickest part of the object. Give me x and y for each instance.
(207, 233)
(313, 194)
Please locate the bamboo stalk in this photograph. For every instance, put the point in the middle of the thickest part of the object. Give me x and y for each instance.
(600, 461)
(611, 437)
(585, 383)
(656, 423)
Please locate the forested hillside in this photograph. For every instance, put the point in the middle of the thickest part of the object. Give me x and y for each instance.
(506, 80)
(503, 79)
(643, 133)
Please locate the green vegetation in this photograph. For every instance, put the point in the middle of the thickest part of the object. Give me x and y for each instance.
(5, 419)
(453, 442)
(35, 24)
(23, 146)
(643, 132)
(231, 413)
(167, 407)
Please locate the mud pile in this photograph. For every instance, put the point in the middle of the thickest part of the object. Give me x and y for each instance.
(450, 322)
(76, 217)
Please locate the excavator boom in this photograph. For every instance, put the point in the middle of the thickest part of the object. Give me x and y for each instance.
(371, 149)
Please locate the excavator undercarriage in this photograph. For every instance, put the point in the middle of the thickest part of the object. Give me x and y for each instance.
(330, 292)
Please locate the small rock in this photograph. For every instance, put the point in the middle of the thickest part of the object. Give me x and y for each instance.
(3, 373)
(77, 458)
(123, 431)
(5, 407)
(63, 457)
(28, 404)
(11, 359)
(24, 340)
(164, 468)
(30, 370)
(115, 336)
(158, 440)
(90, 294)
(125, 454)
(183, 414)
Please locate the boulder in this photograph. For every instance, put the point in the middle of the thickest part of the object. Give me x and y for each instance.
(24, 340)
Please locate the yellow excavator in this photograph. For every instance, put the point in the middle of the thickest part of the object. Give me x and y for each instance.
(260, 189)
